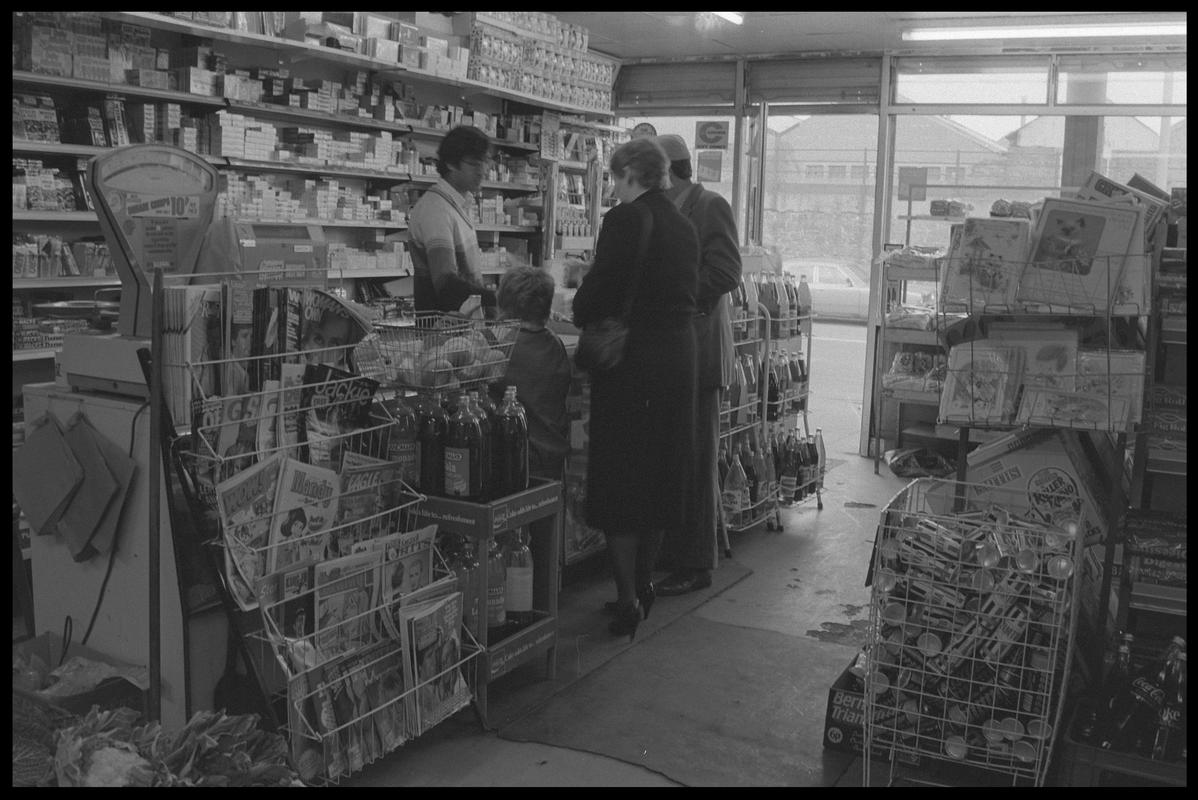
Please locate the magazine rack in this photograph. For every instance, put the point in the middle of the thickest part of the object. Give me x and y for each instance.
(972, 617)
(328, 632)
(540, 508)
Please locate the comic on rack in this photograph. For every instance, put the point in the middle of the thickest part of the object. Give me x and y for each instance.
(406, 565)
(245, 503)
(305, 511)
(335, 403)
(370, 487)
(432, 647)
(345, 618)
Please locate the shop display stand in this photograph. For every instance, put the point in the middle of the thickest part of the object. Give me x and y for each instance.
(752, 336)
(540, 508)
(971, 620)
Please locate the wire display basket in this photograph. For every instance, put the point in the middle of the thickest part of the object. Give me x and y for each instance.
(441, 352)
(971, 622)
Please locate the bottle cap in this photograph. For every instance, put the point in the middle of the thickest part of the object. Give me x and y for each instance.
(955, 747)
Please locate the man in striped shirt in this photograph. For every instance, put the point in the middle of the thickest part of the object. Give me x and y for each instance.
(441, 236)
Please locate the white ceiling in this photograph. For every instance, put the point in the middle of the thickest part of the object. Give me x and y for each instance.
(671, 35)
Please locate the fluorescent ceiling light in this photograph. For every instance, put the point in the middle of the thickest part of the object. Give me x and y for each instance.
(735, 17)
(1044, 32)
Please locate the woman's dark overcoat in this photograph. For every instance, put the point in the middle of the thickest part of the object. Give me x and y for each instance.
(642, 427)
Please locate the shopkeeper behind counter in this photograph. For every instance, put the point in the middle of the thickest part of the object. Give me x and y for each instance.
(446, 258)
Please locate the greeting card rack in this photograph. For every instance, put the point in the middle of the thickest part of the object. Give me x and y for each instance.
(970, 626)
(323, 649)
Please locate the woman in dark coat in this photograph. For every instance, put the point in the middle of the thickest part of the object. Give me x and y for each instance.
(642, 427)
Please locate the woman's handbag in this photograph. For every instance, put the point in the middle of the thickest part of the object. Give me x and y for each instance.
(601, 344)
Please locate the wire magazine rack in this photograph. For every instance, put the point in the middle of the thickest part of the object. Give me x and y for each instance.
(343, 686)
(972, 617)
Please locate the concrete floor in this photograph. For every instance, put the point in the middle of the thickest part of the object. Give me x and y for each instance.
(806, 581)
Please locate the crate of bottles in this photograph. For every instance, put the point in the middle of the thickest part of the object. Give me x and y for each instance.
(1085, 764)
(971, 622)
(442, 351)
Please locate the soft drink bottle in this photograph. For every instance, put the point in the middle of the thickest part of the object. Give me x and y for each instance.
(735, 497)
(773, 392)
(747, 462)
(431, 424)
(487, 457)
(801, 467)
(749, 398)
(804, 292)
(401, 443)
(511, 445)
(816, 465)
(766, 490)
(1168, 742)
(496, 592)
(788, 480)
(469, 583)
(821, 455)
(464, 465)
(518, 590)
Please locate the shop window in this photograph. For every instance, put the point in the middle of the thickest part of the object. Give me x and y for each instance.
(814, 172)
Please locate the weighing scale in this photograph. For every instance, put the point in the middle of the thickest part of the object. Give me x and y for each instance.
(155, 205)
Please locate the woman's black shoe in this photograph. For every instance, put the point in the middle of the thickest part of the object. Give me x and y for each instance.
(626, 621)
(645, 594)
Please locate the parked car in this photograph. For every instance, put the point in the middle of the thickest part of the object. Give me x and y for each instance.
(837, 293)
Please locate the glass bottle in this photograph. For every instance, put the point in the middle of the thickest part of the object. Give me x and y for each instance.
(1168, 742)
(517, 600)
(788, 481)
(511, 445)
(815, 464)
(1133, 716)
(486, 458)
(802, 404)
(773, 391)
(496, 592)
(1113, 686)
(821, 455)
(735, 497)
(466, 568)
(736, 395)
(463, 454)
(430, 440)
(401, 441)
(767, 486)
(749, 389)
(801, 467)
(748, 462)
(722, 464)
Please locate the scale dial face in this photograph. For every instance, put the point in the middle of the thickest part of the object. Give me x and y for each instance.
(153, 182)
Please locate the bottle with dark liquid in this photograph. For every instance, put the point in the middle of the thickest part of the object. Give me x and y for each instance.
(773, 391)
(469, 575)
(430, 439)
(816, 466)
(463, 454)
(788, 479)
(801, 467)
(511, 445)
(401, 441)
(1169, 738)
(496, 613)
(821, 455)
(486, 459)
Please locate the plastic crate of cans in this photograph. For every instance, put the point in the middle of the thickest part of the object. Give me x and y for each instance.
(971, 620)
(438, 351)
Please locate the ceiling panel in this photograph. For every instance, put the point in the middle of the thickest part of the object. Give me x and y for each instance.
(664, 35)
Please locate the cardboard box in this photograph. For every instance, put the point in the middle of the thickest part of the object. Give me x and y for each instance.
(844, 720)
(1049, 471)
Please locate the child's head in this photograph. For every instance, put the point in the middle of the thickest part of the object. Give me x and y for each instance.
(526, 293)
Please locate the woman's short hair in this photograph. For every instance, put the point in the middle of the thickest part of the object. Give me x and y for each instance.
(526, 293)
(464, 141)
(649, 164)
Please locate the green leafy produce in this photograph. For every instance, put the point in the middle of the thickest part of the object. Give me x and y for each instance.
(212, 749)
